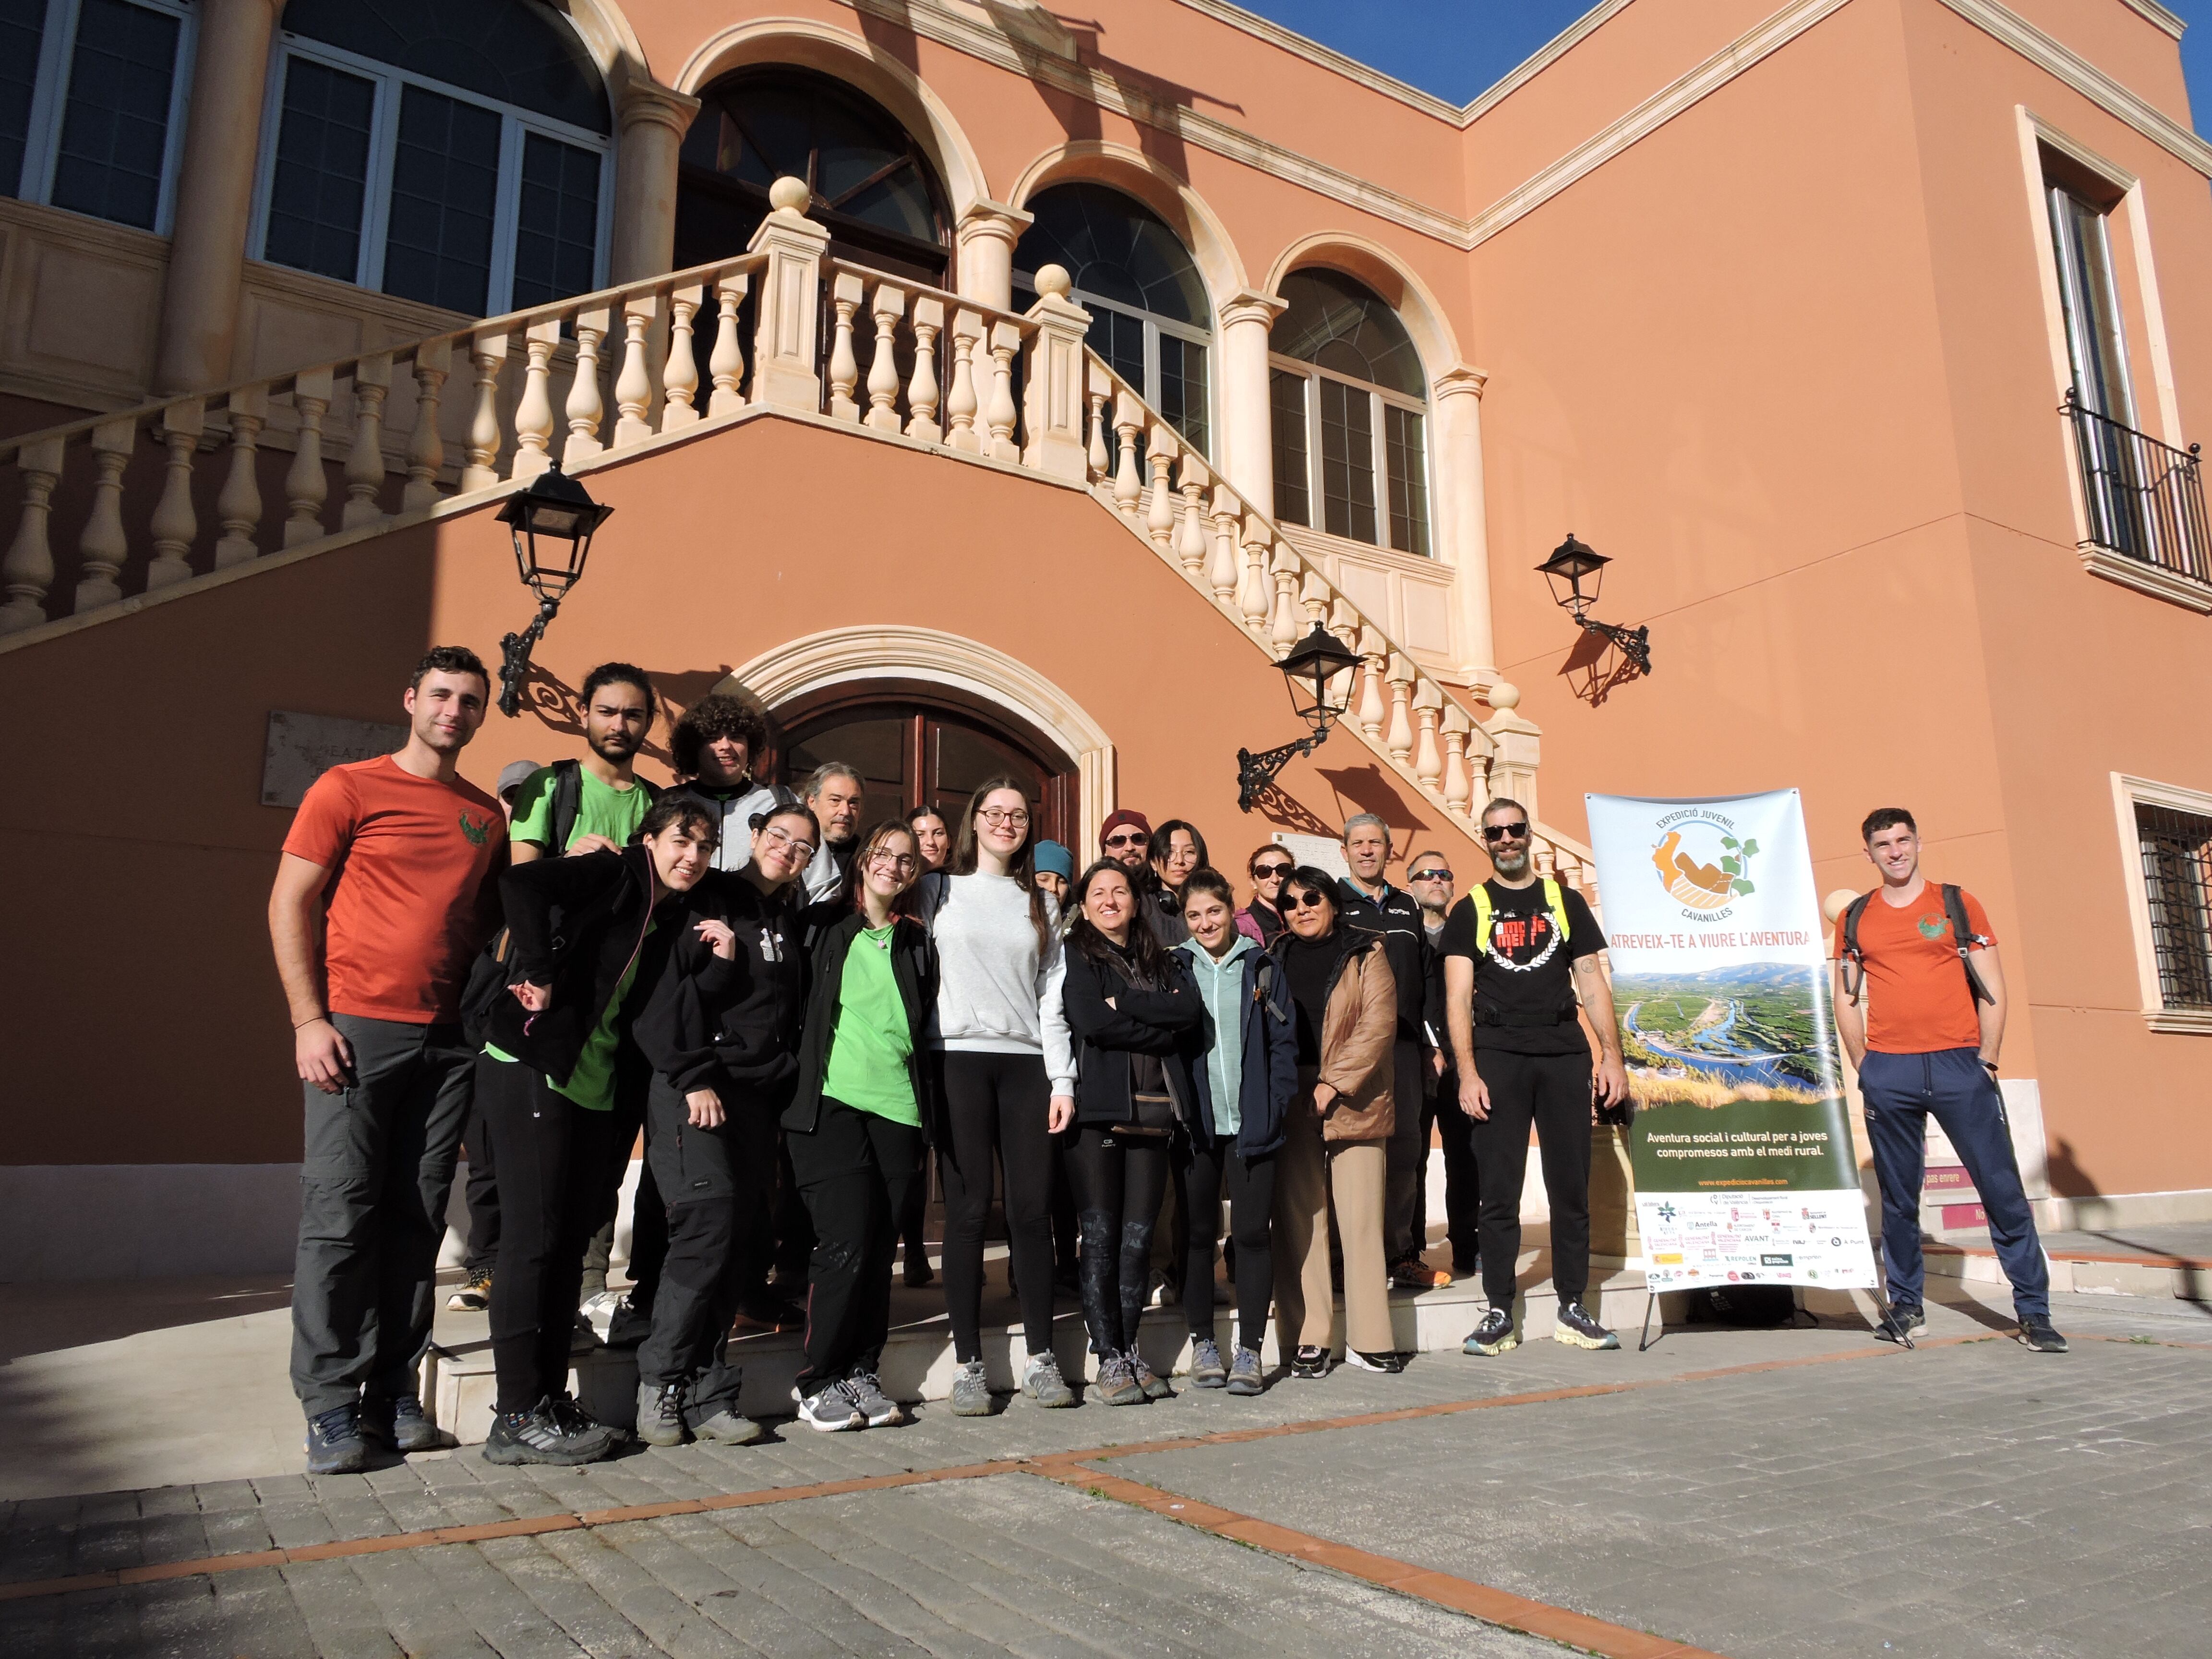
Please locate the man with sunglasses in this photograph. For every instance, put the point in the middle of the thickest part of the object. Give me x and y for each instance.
(1428, 878)
(1519, 953)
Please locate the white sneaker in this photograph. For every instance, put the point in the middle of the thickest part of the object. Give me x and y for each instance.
(830, 1409)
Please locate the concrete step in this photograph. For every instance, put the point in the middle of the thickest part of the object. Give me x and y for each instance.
(2186, 1278)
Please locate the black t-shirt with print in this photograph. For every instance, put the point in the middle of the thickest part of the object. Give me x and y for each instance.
(1522, 971)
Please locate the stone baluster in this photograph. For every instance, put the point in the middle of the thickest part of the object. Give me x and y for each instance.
(237, 508)
(634, 385)
(102, 548)
(1344, 686)
(1160, 505)
(1284, 631)
(728, 360)
(888, 306)
(174, 524)
(846, 290)
(1314, 595)
(1398, 736)
(586, 407)
(1000, 413)
(960, 403)
(680, 378)
(28, 572)
(1428, 757)
(921, 421)
(1372, 711)
(426, 446)
(533, 415)
(489, 353)
(1191, 480)
(1221, 573)
(1096, 390)
(1258, 595)
(306, 486)
(1129, 488)
(1459, 787)
(1516, 748)
(364, 467)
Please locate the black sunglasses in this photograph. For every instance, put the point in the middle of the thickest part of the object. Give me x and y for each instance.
(1430, 875)
(1271, 871)
(1310, 902)
(1506, 831)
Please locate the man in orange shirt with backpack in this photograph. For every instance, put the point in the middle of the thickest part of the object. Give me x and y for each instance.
(1920, 1003)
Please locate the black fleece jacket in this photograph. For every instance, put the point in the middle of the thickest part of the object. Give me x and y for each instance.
(712, 1024)
(1168, 1022)
(576, 925)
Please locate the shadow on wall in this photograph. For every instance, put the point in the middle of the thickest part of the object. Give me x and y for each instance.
(1369, 791)
(559, 706)
(1594, 667)
(1286, 812)
(2067, 1178)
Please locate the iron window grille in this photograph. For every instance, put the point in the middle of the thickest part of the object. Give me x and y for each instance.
(2176, 864)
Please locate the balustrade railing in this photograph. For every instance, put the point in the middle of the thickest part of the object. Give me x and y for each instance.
(2145, 499)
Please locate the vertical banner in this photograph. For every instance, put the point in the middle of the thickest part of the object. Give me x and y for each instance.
(1741, 1146)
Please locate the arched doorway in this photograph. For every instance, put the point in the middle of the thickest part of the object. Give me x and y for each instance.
(915, 743)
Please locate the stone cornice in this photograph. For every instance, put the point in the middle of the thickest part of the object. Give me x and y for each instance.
(2154, 13)
(641, 102)
(1250, 304)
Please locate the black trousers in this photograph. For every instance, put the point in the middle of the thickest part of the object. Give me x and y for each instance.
(996, 1103)
(1118, 1181)
(709, 1182)
(1401, 1180)
(648, 1235)
(1201, 1174)
(856, 1171)
(482, 1198)
(552, 1164)
(1454, 1130)
(1552, 1093)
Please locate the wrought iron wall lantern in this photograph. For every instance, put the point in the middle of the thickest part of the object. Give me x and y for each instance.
(1574, 562)
(552, 522)
(1313, 664)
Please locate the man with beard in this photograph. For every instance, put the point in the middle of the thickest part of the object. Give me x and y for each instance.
(835, 795)
(1518, 953)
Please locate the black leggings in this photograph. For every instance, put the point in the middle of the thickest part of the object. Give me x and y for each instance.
(996, 1102)
(1200, 1173)
(552, 1158)
(1118, 1181)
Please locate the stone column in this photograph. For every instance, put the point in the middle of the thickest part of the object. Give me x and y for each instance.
(1247, 452)
(983, 265)
(1462, 531)
(215, 195)
(650, 122)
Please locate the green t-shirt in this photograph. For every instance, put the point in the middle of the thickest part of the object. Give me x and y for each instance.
(601, 810)
(592, 1085)
(870, 1048)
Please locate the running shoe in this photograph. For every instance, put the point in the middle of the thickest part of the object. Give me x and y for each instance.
(1155, 1388)
(1903, 1319)
(1310, 1361)
(830, 1409)
(472, 1296)
(1414, 1274)
(1578, 1330)
(1207, 1370)
(1493, 1336)
(880, 1410)
(1117, 1384)
(402, 1425)
(547, 1434)
(335, 1445)
(1042, 1383)
(2036, 1332)
(1389, 1363)
(971, 1391)
(1244, 1375)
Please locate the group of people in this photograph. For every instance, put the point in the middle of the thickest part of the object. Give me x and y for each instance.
(798, 1011)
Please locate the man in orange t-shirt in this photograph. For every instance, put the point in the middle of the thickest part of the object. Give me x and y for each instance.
(386, 891)
(1926, 1044)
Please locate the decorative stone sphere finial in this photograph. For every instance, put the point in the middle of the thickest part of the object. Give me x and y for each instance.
(790, 194)
(1504, 696)
(1837, 902)
(1054, 280)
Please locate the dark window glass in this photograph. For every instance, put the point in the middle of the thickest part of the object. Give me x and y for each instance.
(115, 125)
(509, 51)
(1120, 339)
(2177, 863)
(557, 230)
(2094, 342)
(1345, 327)
(322, 171)
(1287, 397)
(444, 178)
(1347, 461)
(1182, 388)
(22, 27)
(1115, 246)
(1408, 460)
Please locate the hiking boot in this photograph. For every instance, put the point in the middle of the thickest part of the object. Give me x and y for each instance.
(660, 1413)
(1903, 1320)
(402, 1425)
(1389, 1363)
(971, 1391)
(1310, 1361)
(1244, 1373)
(473, 1295)
(830, 1409)
(1154, 1386)
(2036, 1332)
(1414, 1274)
(1044, 1384)
(1206, 1367)
(1493, 1336)
(1117, 1384)
(554, 1430)
(334, 1442)
(1578, 1330)
(727, 1428)
(629, 1325)
(878, 1409)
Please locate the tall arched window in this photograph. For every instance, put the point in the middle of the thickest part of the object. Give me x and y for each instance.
(1343, 366)
(1150, 317)
(874, 191)
(456, 152)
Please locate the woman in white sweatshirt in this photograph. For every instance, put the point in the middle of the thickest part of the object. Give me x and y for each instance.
(1007, 1082)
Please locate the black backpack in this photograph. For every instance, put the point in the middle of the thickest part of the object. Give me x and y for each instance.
(568, 799)
(1963, 939)
(1747, 1307)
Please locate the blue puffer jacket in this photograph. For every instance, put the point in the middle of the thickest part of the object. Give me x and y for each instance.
(1268, 1037)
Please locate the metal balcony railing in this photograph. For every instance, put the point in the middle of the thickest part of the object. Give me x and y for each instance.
(2145, 499)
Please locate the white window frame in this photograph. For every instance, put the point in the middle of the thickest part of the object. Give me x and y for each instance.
(2129, 793)
(1155, 326)
(42, 140)
(390, 80)
(1314, 375)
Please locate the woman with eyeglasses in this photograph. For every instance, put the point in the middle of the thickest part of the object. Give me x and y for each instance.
(1261, 921)
(859, 1126)
(1345, 1004)
(730, 1065)
(1005, 1076)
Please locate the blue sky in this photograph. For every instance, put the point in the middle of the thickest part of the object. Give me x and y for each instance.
(1458, 48)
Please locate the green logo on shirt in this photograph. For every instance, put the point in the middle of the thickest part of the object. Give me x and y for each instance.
(477, 833)
(1935, 927)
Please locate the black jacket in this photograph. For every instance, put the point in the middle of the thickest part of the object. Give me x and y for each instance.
(1169, 1023)
(576, 925)
(914, 966)
(1404, 927)
(1162, 911)
(712, 1024)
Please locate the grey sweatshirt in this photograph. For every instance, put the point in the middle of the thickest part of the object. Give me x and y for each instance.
(995, 993)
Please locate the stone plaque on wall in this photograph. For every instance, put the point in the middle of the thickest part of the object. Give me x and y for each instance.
(302, 747)
(1322, 852)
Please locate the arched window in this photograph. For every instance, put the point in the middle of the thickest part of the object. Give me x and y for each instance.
(1150, 317)
(456, 152)
(1342, 366)
(873, 188)
(91, 102)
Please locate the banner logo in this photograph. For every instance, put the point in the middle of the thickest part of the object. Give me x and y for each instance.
(1703, 865)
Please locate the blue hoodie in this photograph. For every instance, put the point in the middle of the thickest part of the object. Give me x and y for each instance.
(1261, 1063)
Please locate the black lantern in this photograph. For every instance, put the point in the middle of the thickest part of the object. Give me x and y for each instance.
(1573, 563)
(552, 523)
(1312, 664)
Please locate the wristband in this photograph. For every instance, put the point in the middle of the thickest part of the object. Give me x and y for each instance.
(296, 1025)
